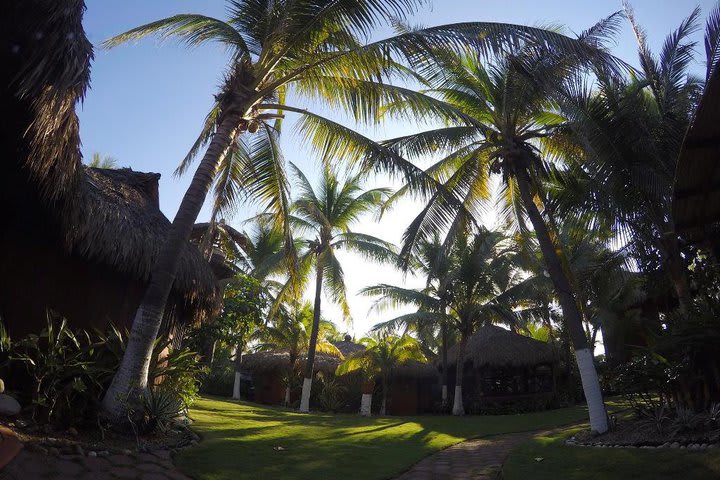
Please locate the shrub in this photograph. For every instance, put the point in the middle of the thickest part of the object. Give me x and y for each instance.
(62, 382)
(161, 407)
(331, 395)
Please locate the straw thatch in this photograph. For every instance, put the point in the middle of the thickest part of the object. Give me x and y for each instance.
(497, 347)
(347, 347)
(696, 203)
(415, 370)
(118, 223)
(46, 70)
(277, 361)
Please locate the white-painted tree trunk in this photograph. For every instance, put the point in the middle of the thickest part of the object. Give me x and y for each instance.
(305, 396)
(458, 408)
(444, 395)
(591, 387)
(287, 396)
(236, 387)
(366, 404)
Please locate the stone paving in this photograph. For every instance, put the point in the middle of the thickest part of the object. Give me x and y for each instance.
(144, 466)
(479, 459)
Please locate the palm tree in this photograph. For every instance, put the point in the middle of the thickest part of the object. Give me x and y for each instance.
(630, 130)
(327, 216)
(310, 49)
(383, 353)
(290, 332)
(431, 261)
(484, 286)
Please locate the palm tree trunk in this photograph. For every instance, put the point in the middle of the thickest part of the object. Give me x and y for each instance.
(569, 306)
(132, 374)
(383, 407)
(366, 399)
(676, 270)
(458, 408)
(445, 372)
(309, 366)
(238, 363)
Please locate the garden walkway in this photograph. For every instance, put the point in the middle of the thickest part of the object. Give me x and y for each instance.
(478, 459)
(144, 466)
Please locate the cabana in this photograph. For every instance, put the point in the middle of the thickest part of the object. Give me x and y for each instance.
(504, 368)
(78, 241)
(269, 373)
(411, 385)
(96, 272)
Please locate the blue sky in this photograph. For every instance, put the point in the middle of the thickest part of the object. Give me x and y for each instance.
(147, 100)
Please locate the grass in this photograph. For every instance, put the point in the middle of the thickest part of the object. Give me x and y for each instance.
(583, 463)
(240, 440)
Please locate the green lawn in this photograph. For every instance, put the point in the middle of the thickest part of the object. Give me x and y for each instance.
(576, 463)
(240, 440)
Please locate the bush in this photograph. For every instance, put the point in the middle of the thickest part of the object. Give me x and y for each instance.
(62, 382)
(63, 375)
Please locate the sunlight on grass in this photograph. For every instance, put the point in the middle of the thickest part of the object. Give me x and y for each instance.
(244, 440)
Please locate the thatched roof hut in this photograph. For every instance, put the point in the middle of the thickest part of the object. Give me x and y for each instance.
(494, 346)
(96, 272)
(75, 240)
(696, 204)
(121, 225)
(347, 347)
(278, 361)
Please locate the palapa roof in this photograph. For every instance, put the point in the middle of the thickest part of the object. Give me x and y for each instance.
(696, 202)
(348, 347)
(118, 223)
(277, 361)
(415, 369)
(497, 347)
(411, 368)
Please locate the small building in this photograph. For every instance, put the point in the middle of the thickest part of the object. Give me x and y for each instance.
(270, 373)
(93, 267)
(503, 368)
(412, 385)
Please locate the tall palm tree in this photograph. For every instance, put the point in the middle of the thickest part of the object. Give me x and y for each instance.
(290, 332)
(510, 116)
(311, 49)
(485, 286)
(630, 130)
(326, 217)
(383, 353)
(432, 262)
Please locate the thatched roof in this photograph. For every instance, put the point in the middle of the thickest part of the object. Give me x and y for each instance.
(348, 347)
(497, 347)
(277, 361)
(415, 369)
(46, 70)
(697, 182)
(118, 223)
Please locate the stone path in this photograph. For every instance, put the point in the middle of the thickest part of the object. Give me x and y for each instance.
(479, 459)
(144, 466)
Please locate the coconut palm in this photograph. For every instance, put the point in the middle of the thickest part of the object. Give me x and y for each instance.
(511, 115)
(311, 49)
(383, 353)
(484, 286)
(433, 263)
(290, 332)
(325, 218)
(630, 130)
